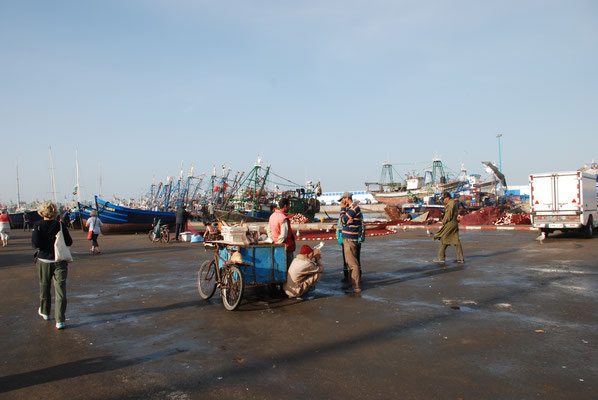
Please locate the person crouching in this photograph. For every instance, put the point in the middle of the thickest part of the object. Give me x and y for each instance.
(304, 272)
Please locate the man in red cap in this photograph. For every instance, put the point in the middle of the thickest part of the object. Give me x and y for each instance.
(305, 271)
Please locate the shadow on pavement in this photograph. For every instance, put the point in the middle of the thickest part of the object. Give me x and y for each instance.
(75, 369)
(115, 316)
(417, 273)
(255, 368)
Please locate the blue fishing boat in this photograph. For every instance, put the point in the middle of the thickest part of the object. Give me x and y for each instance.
(17, 218)
(118, 219)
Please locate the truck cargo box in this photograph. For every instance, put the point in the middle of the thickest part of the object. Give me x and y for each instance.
(563, 201)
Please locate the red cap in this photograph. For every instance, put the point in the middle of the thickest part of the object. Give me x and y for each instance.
(305, 250)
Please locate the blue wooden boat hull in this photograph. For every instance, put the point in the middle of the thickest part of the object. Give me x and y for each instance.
(119, 219)
(17, 219)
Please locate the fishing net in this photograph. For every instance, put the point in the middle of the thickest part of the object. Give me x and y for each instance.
(484, 216)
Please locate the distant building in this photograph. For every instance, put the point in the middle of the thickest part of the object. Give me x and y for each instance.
(521, 192)
(331, 198)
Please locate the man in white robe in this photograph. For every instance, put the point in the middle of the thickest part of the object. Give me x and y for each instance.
(305, 271)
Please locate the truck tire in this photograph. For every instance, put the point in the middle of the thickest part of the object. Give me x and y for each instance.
(588, 228)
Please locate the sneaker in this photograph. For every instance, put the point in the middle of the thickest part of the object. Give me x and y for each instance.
(460, 261)
(44, 316)
(60, 325)
(438, 261)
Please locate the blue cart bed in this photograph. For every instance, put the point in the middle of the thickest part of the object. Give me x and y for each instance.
(262, 263)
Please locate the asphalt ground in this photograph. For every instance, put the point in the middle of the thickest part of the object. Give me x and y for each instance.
(517, 321)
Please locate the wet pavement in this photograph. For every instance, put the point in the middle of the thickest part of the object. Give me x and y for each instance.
(517, 321)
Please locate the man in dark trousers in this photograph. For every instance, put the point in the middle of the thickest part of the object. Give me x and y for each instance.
(449, 233)
(181, 219)
(351, 220)
(26, 225)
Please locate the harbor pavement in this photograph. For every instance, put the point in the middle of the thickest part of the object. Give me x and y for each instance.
(517, 321)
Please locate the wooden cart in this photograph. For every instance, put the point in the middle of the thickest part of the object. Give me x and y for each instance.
(262, 264)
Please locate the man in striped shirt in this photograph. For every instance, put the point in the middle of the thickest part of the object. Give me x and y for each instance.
(351, 223)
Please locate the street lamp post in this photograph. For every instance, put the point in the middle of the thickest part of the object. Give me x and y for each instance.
(498, 136)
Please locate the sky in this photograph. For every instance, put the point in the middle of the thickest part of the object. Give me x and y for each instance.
(322, 90)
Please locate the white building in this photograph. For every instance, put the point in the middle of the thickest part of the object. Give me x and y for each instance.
(362, 196)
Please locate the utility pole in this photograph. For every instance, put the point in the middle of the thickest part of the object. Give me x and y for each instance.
(498, 136)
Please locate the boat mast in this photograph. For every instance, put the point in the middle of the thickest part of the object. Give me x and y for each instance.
(100, 179)
(18, 188)
(152, 187)
(77, 188)
(52, 182)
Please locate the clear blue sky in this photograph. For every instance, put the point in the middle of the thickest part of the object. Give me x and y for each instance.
(322, 90)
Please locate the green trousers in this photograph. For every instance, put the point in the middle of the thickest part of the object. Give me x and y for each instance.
(47, 272)
(442, 251)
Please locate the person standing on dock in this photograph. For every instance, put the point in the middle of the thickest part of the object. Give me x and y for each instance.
(48, 270)
(66, 219)
(5, 224)
(95, 228)
(346, 279)
(280, 228)
(449, 233)
(351, 229)
(26, 222)
(181, 216)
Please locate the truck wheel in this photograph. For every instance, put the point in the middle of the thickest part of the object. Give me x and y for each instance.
(588, 229)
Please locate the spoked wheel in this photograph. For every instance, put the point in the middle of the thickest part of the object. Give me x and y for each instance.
(232, 288)
(165, 236)
(152, 236)
(206, 279)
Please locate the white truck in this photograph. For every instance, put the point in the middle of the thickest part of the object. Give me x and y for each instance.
(564, 201)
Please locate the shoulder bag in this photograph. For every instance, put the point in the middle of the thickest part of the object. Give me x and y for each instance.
(92, 228)
(61, 250)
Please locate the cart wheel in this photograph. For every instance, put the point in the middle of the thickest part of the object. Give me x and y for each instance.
(165, 236)
(206, 279)
(232, 288)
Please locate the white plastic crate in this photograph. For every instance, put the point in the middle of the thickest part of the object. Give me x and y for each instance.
(186, 236)
(234, 234)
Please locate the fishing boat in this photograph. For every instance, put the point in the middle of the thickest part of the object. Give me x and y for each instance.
(18, 218)
(119, 219)
(248, 199)
(420, 189)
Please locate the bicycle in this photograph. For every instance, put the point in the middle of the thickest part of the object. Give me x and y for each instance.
(260, 265)
(163, 236)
